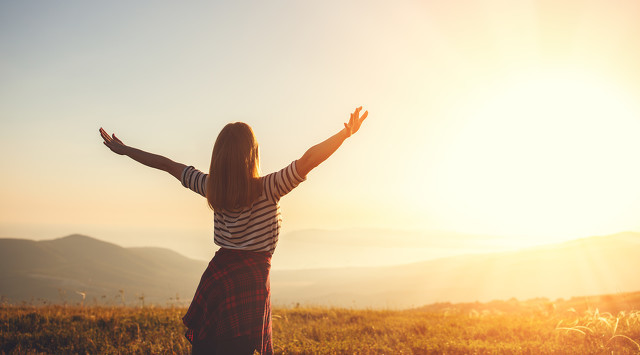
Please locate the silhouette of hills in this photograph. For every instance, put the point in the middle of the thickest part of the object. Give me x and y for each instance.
(373, 247)
(56, 270)
(590, 266)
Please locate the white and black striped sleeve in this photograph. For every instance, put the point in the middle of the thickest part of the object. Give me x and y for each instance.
(195, 180)
(282, 182)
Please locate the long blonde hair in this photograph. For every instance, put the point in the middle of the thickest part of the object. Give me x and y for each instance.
(234, 174)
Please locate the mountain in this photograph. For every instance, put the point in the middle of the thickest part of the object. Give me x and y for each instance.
(367, 247)
(596, 265)
(59, 270)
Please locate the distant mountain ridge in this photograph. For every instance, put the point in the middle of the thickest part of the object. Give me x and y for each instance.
(372, 247)
(589, 266)
(56, 270)
(59, 270)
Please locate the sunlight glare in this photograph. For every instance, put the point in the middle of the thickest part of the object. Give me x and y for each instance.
(547, 155)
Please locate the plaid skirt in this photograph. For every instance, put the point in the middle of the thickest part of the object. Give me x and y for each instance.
(233, 301)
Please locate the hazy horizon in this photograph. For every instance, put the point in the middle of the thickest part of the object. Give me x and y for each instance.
(53, 269)
(356, 247)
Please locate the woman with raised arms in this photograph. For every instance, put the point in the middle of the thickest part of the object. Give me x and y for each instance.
(231, 309)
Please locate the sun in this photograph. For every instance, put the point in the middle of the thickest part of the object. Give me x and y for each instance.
(544, 155)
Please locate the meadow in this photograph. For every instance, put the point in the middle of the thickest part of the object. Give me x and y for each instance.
(505, 327)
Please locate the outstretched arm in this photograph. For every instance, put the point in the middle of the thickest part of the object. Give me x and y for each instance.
(148, 159)
(322, 151)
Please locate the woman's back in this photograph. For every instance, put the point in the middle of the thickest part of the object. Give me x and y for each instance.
(256, 227)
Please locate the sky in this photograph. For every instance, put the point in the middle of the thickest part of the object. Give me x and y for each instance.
(516, 119)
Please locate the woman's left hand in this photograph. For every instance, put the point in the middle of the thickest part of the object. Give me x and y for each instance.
(113, 142)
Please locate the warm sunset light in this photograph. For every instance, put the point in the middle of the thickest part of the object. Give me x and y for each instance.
(506, 124)
(320, 177)
(545, 153)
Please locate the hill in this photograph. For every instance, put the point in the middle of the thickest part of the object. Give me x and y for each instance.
(56, 270)
(590, 266)
(372, 247)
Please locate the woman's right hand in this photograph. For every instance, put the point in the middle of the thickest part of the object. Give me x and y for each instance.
(112, 142)
(355, 121)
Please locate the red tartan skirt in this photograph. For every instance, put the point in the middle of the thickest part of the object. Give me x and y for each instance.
(233, 300)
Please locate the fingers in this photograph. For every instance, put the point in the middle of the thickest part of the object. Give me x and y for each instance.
(109, 140)
(355, 120)
(105, 135)
(356, 114)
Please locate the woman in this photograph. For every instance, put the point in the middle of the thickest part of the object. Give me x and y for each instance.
(231, 310)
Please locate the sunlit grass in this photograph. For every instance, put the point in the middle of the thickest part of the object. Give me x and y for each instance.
(450, 329)
(605, 329)
(93, 330)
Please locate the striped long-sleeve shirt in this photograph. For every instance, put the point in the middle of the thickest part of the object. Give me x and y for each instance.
(255, 228)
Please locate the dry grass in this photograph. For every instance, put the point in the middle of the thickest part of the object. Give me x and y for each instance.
(605, 329)
(158, 330)
(91, 330)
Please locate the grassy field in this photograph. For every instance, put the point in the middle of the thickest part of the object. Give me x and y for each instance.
(510, 327)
